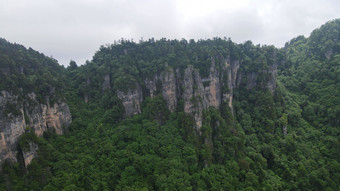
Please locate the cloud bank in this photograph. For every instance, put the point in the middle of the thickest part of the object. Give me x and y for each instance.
(74, 29)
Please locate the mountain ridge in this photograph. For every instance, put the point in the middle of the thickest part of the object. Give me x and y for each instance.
(224, 115)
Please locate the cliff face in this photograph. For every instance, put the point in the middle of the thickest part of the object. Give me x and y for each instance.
(150, 84)
(213, 91)
(231, 72)
(16, 115)
(131, 101)
(199, 93)
(44, 116)
(169, 89)
(30, 154)
(11, 126)
(195, 99)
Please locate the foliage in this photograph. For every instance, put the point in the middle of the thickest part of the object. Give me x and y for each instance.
(24, 71)
(238, 148)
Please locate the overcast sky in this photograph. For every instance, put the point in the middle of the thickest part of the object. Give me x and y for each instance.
(74, 29)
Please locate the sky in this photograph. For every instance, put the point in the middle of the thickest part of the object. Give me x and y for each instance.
(75, 29)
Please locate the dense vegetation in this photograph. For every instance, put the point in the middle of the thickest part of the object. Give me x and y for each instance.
(243, 149)
(25, 71)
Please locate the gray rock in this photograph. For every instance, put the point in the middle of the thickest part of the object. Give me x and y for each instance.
(131, 101)
(36, 115)
(169, 89)
(30, 154)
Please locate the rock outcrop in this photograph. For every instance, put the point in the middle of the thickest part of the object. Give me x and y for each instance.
(194, 96)
(12, 126)
(150, 84)
(213, 91)
(231, 69)
(197, 97)
(30, 154)
(131, 100)
(44, 116)
(16, 116)
(169, 89)
(199, 93)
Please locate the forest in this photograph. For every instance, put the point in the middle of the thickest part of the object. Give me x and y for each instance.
(280, 137)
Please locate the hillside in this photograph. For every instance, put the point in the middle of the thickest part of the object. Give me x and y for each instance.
(31, 101)
(180, 115)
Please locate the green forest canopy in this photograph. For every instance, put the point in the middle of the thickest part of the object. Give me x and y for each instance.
(159, 150)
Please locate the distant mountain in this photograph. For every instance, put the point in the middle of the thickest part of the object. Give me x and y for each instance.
(174, 115)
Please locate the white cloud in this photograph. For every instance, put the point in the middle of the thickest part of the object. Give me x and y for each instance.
(74, 29)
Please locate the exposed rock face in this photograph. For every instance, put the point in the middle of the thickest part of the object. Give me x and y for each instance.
(38, 116)
(196, 96)
(150, 84)
(169, 89)
(179, 82)
(43, 116)
(269, 73)
(232, 71)
(213, 91)
(11, 127)
(252, 80)
(106, 84)
(131, 101)
(189, 92)
(30, 154)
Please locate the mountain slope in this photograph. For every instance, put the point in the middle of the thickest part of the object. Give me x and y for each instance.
(205, 115)
(31, 100)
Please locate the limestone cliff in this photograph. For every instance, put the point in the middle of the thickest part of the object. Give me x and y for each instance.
(196, 92)
(131, 100)
(16, 115)
(12, 126)
(194, 96)
(151, 85)
(169, 89)
(213, 91)
(44, 116)
(30, 154)
(197, 97)
(231, 71)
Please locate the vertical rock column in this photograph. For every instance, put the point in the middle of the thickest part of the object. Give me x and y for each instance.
(194, 96)
(11, 126)
(232, 71)
(131, 101)
(169, 89)
(214, 89)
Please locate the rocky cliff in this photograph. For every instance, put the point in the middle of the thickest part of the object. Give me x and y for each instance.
(16, 115)
(131, 100)
(12, 125)
(199, 93)
(169, 89)
(231, 71)
(30, 154)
